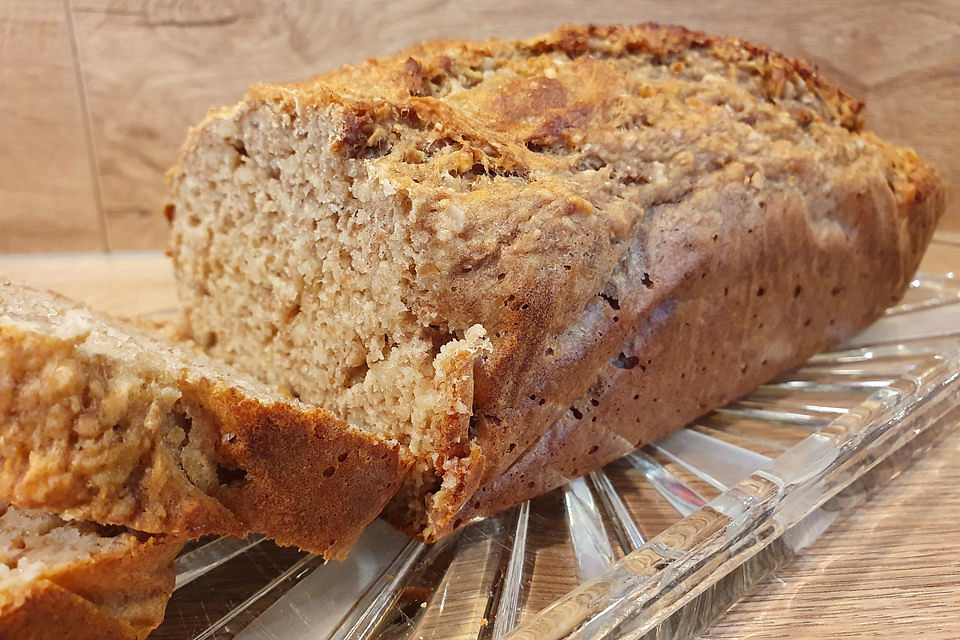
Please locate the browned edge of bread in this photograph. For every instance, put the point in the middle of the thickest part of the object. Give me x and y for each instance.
(120, 595)
(296, 474)
(310, 480)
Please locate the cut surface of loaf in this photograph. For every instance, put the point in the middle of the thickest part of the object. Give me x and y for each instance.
(100, 421)
(78, 580)
(523, 258)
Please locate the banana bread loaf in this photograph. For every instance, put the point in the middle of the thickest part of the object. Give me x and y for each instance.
(78, 580)
(100, 421)
(521, 259)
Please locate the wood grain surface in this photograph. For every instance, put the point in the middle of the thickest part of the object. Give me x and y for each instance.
(47, 196)
(98, 94)
(889, 570)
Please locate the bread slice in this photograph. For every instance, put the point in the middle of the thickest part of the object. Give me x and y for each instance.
(78, 580)
(100, 421)
(522, 258)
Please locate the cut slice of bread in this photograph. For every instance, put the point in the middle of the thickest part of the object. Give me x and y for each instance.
(522, 258)
(78, 580)
(100, 421)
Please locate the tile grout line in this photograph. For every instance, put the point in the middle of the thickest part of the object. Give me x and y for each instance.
(88, 129)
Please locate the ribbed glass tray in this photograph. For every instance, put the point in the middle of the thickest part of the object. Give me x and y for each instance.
(655, 545)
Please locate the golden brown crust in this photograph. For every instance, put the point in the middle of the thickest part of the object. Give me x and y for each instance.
(45, 611)
(310, 480)
(118, 595)
(406, 84)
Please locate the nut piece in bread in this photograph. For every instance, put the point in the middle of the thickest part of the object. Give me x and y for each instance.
(100, 421)
(522, 258)
(79, 580)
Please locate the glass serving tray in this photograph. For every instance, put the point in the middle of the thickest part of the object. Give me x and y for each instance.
(655, 545)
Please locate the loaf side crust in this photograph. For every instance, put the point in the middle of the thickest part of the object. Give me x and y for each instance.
(811, 302)
(727, 325)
